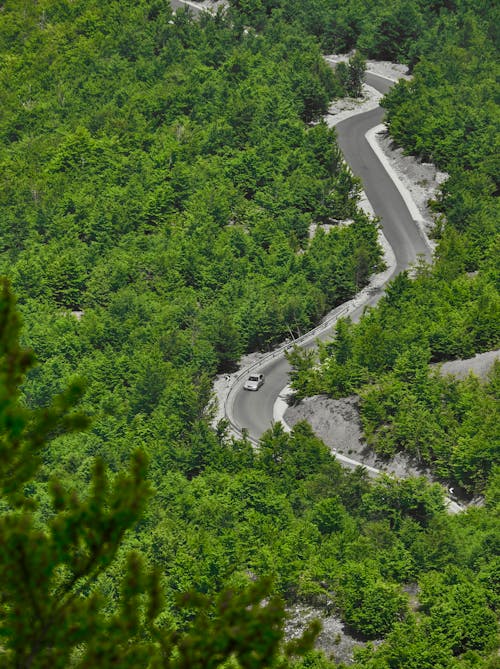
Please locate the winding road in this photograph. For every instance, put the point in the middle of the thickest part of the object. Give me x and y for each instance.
(254, 411)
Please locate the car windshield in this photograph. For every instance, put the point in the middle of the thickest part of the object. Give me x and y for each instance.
(253, 378)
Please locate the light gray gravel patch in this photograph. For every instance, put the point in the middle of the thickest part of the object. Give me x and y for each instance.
(423, 180)
(333, 640)
(480, 365)
(337, 423)
(210, 5)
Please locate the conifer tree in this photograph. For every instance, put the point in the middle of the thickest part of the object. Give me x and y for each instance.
(52, 614)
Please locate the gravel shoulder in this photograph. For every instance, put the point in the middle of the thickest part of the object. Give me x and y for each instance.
(421, 179)
(480, 365)
(337, 423)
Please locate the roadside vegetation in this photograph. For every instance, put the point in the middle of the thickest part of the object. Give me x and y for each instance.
(446, 114)
(160, 177)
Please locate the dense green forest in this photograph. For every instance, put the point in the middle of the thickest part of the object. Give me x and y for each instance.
(160, 177)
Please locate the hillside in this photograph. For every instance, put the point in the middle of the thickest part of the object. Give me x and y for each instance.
(161, 178)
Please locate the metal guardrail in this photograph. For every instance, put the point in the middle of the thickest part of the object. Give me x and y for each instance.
(328, 322)
(330, 319)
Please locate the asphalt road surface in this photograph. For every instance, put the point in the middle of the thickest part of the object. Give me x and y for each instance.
(254, 410)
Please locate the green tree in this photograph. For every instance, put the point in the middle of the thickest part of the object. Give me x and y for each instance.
(356, 75)
(370, 605)
(49, 606)
(52, 612)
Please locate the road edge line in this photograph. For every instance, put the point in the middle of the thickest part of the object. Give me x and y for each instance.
(405, 193)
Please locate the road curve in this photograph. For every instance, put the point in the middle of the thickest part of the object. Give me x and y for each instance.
(253, 411)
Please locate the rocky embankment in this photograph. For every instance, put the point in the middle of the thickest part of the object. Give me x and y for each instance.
(338, 424)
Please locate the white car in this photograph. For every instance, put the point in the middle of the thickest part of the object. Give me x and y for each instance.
(254, 382)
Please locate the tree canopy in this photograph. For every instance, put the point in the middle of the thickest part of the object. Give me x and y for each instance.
(162, 181)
